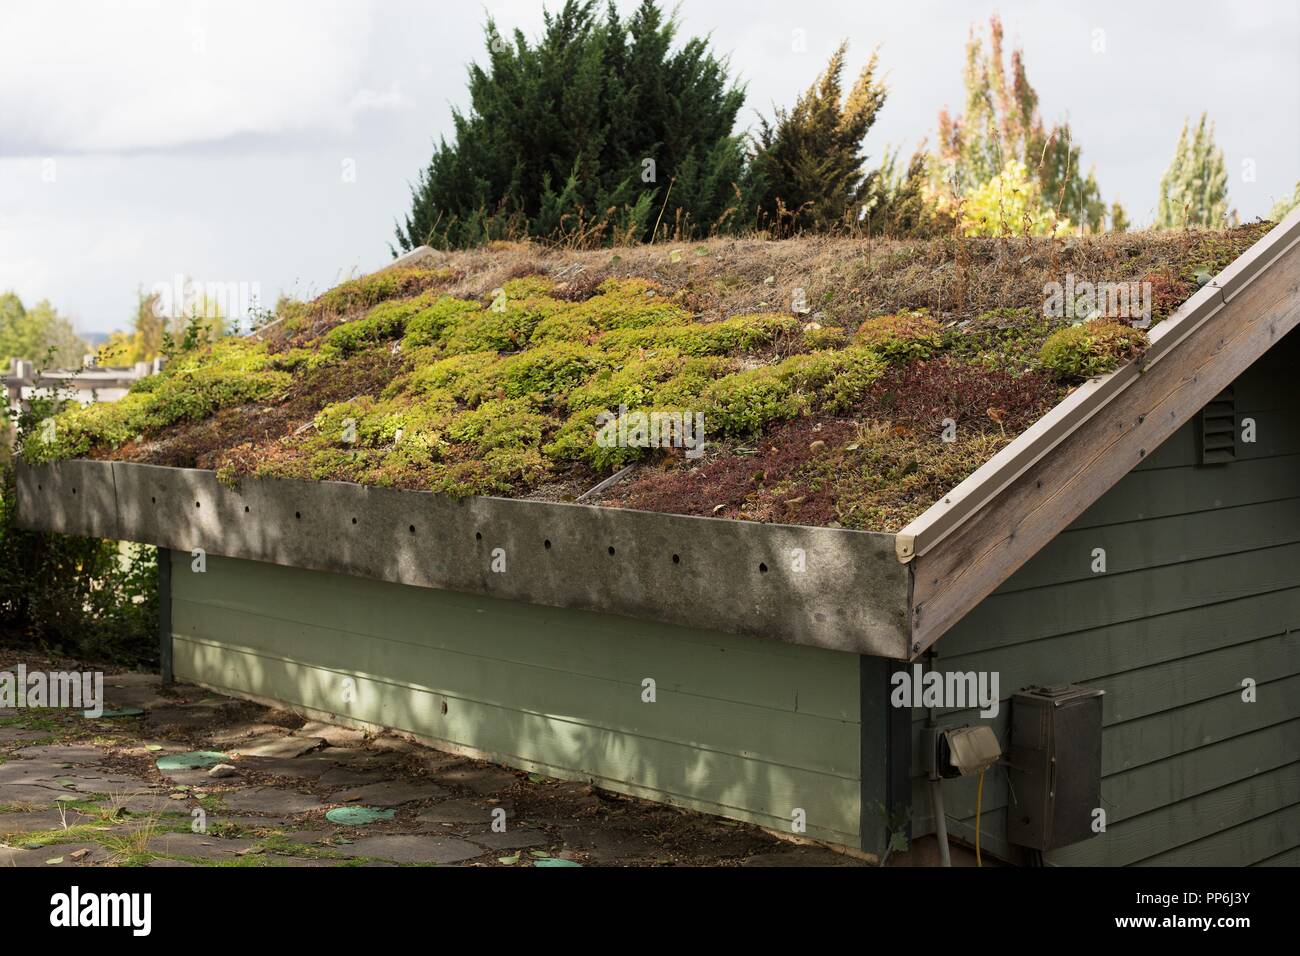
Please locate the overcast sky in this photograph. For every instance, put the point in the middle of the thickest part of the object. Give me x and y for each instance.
(140, 140)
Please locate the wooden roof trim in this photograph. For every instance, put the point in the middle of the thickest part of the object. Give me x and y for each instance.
(994, 476)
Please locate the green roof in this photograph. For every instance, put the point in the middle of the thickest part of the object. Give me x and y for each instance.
(836, 382)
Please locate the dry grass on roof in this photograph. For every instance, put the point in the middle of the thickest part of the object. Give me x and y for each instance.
(952, 277)
(841, 382)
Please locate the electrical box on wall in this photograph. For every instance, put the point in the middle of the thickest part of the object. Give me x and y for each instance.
(1055, 766)
(958, 751)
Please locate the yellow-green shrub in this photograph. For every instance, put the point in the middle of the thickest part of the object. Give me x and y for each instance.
(742, 403)
(901, 337)
(1090, 348)
(740, 333)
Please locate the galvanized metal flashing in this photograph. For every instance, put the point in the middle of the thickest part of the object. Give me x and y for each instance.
(823, 587)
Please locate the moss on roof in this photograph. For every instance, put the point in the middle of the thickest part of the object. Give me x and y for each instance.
(840, 382)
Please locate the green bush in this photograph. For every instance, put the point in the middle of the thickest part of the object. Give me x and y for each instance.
(901, 337)
(387, 320)
(743, 403)
(737, 334)
(198, 383)
(79, 596)
(428, 325)
(1090, 348)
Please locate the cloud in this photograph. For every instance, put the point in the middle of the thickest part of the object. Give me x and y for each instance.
(156, 74)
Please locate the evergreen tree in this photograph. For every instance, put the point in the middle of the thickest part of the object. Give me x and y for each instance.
(807, 165)
(1000, 125)
(894, 199)
(1194, 189)
(599, 130)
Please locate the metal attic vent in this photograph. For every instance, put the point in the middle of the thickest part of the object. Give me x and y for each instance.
(1217, 429)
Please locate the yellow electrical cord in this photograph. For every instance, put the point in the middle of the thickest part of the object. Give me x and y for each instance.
(979, 799)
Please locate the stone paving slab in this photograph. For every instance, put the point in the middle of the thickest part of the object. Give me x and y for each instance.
(334, 735)
(609, 844)
(462, 811)
(308, 767)
(253, 823)
(519, 839)
(483, 780)
(802, 856)
(64, 753)
(200, 846)
(413, 849)
(199, 778)
(270, 800)
(243, 730)
(355, 758)
(15, 856)
(276, 745)
(36, 795)
(309, 837)
(153, 748)
(82, 782)
(343, 777)
(119, 695)
(389, 793)
(14, 823)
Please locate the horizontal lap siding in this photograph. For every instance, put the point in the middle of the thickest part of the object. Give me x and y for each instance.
(745, 728)
(1201, 590)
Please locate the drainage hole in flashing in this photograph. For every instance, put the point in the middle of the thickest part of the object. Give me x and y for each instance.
(547, 544)
(74, 491)
(677, 559)
(354, 520)
(762, 568)
(298, 515)
(478, 535)
(611, 549)
(411, 528)
(197, 505)
(245, 509)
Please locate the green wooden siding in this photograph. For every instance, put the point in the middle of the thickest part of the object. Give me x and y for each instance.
(1202, 589)
(743, 728)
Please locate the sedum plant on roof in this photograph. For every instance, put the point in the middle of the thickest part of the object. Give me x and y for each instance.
(830, 382)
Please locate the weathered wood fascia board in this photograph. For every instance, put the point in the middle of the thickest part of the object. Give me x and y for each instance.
(994, 476)
(990, 525)
(709, 573)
